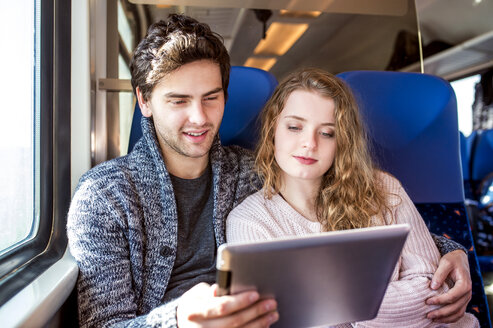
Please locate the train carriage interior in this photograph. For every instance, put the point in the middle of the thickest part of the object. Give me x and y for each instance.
(69, 105)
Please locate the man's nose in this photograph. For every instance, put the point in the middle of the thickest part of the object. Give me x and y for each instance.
(197, 114)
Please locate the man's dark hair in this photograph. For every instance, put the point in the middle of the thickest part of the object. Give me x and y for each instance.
(171, 44)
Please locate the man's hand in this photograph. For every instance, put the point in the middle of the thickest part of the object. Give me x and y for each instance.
(455, 266)
(200, 307)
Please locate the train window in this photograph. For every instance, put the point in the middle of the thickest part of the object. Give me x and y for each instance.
(126, 32)
(465, 90)
(124, 28)
(19, 132)
(34, 139)
(126, 100)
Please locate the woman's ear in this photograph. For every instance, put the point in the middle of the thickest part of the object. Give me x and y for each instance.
(144, 105)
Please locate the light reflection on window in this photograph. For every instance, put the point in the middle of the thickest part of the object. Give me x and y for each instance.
(465, 90)
(18, 211)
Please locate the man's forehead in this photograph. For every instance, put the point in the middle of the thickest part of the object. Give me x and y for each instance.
(196, 78)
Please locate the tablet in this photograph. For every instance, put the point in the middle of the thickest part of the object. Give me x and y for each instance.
(317, 280)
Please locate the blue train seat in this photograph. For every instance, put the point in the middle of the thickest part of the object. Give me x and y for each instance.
(482, 156)
(465, 162)
(464, 156)
(481, 169)
(411, 120)
(248, 91)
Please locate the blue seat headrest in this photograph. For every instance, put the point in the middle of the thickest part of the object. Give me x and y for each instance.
(411, 120)
(248, 91)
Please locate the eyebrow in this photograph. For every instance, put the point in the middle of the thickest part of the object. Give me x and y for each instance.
(178, 95)
(304, 120)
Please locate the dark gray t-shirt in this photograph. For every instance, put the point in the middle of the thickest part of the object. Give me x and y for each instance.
(196, 253)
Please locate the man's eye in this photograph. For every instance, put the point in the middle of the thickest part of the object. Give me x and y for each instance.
(178, 102)
(211, 98)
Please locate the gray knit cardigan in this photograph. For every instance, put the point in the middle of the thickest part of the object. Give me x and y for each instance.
(122, 229)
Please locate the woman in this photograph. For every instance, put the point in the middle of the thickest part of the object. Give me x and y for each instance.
(318, 176)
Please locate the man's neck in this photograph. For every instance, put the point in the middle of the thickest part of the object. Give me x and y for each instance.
(183, 166)
(186, 167)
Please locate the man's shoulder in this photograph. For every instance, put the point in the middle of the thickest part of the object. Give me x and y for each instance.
(106, 171)
(237, 153)
(115, 174)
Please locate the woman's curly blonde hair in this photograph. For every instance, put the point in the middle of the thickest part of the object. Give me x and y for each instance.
(350, 194)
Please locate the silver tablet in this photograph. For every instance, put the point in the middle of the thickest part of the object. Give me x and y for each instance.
(323, 279)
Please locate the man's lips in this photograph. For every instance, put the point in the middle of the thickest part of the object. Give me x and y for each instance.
(305, 160)
(196, 136)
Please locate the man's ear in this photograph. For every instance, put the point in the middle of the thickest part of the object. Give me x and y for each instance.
(144, 105)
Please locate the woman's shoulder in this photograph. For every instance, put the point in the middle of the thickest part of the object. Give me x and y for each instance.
(389, 182)
(253, 203)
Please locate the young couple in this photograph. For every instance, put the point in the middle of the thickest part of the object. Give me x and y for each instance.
(144, 228)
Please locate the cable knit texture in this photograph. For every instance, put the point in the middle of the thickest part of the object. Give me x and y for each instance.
(258, 218)
(122, 229)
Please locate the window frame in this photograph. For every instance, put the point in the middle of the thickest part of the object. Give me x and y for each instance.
(24, 263)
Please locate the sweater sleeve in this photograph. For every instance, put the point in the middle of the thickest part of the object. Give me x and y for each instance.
(404, 301)
(446, 245)
(98, 242)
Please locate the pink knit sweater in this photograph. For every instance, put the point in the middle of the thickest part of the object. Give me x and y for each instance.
(257, 218)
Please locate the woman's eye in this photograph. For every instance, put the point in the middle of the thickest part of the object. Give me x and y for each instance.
(327, 134)
(293, 128)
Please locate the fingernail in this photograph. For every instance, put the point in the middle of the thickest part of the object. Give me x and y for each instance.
(253, 297)
(430, 302)
(273, 317)
(434, 285)
(270, 305)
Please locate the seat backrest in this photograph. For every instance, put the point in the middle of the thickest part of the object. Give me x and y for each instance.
(248, 91)
(411, 121)
(465, 157)
(482, 159)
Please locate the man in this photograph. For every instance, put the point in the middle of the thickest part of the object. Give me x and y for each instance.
(140, 226)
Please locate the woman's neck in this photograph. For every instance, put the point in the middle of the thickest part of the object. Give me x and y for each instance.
(301, 195)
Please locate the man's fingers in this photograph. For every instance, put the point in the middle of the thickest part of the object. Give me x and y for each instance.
(264, 321)
(257, 315)
(443, 270)
(250, 314)
(447, 314)
(225, 305)
(460, 292)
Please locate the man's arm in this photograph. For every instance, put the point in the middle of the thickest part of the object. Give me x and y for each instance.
(454, 265)
(446, 245)
(101, 249)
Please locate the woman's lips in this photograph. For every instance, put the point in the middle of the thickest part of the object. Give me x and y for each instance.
(305, 160)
